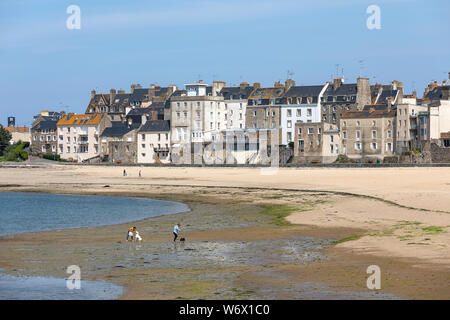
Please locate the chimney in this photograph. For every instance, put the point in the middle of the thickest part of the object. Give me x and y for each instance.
(112, 94)
(256, 85)
(217, 87)
(171, 89)
(132, 87)
(337, 82)
(243, 85)
(289, 83)
(363, 94)
(277, 84)
(93, 94)
(121, 91)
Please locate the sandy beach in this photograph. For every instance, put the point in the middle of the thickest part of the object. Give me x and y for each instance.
(396, 218)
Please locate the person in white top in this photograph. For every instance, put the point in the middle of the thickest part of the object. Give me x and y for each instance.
(176, 229)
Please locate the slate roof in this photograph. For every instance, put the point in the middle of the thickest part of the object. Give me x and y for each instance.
(304, 91)
(118, 129)
(233, 93)
(155, 126)
(367, 114)
(45, 124)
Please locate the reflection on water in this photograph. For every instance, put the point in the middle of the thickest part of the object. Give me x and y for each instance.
(42, 288)
(32, 212)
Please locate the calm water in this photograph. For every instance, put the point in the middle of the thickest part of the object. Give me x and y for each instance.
(40, 288)
(31, 212)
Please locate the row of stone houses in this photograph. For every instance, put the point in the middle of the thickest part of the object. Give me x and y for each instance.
(318, 123)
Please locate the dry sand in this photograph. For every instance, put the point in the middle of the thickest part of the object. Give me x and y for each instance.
(396, 216)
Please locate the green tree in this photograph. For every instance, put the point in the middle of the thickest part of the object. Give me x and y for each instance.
(5, 137)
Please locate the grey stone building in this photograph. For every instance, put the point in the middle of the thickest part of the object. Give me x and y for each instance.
(339, 98)
(368, 135)
(119, 142)
(44, 133)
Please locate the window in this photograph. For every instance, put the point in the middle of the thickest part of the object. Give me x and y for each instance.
(331, 148)
(373, 145)
(344, 134)
(309, 112)
(143, 146)
(358, 123)
(167, 136)
(374, 134)
(289, 136)
(389, 134)
(143, 137)
(345, 123)
(178, 115)
(289, 113)
(299, 112)
(358, 135)
(289, 124)
(358, 146)
(319, 130)
(374, 123)
(310, 130)
(68, 149)
(389, 147)
(44, 149)
(332, 138)
(185, 115)
(301, 145)
(299, 131)
(254, 113)
(273, 113)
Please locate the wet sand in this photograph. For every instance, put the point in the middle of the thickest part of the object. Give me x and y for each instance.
(239, 244)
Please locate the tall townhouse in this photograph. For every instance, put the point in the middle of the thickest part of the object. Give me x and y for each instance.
(340, 97)
(153, 145)
(299, 104)
(235, 102)
(44, 136)
(368, 135)
(119, 142)
(79, 136)
(407, 127)
(197, 113)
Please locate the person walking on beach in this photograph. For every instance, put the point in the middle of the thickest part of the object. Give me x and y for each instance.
(176, 229)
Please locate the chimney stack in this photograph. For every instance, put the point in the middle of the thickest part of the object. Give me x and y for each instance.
(363, 94)
(337, 82)
(112, 94)
(289, 83)
(217, 87)
(93, 94)
(256, 85)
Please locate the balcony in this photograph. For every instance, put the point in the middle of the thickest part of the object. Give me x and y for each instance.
(83, 142)
(161, 149)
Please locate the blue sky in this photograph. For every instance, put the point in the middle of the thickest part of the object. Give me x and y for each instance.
(44, 65)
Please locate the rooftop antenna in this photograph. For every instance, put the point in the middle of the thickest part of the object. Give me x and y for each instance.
(361, 67)
(337, 70)
(289, 74)
(342, 74)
